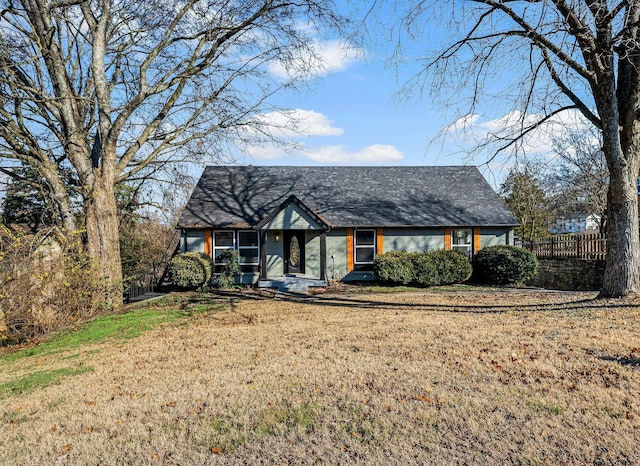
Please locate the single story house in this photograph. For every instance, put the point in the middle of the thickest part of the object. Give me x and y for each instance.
(331, 222)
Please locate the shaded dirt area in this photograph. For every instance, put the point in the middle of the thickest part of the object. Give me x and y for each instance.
(473, 377)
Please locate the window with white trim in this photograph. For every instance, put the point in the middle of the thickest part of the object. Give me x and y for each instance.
(461, 241)
(222, 241)
(364, 247)
(248, 249)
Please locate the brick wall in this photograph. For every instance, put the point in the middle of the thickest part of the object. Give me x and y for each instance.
(569, 274)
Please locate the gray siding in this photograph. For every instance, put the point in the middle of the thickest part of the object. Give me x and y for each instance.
(493, 237)
(312, 254)
(336, 254)
(275, 262)
(291, 218)
(413, 240)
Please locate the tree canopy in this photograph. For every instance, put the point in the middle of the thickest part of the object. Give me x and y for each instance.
(110, 91)
(540, 60)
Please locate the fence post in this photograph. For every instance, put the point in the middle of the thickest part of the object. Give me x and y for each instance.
(552, 252)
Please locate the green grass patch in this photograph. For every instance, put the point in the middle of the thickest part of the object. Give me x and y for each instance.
(115, 326)
(13, 417)
(551, 409)
(30, 382)
(229, 433)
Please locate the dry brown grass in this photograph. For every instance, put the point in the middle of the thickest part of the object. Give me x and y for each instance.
(505, 377)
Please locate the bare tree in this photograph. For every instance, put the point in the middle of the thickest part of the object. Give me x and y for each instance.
(556, 56)
(579, 177)
(110, 90)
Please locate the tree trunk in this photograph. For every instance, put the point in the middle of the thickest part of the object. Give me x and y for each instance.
(103, 245)
(622, 272)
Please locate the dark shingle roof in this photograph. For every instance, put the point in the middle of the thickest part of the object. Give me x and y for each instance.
(241, 196)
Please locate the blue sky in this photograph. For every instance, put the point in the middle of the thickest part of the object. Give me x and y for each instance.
(351, 115)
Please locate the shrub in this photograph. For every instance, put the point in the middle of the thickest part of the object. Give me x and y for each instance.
(452, 266)
(393, 267)
(190, 270)
(230, 267)
(425, 271)
(47, 282)
(506, 264)
(422, 268)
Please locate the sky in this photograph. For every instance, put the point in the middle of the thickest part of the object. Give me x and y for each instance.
(351, 114)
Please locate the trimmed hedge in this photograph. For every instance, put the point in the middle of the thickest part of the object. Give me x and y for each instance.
(190, 270)
(503, 265)
(422, 268)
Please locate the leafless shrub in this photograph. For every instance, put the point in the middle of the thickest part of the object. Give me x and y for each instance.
(46, 282)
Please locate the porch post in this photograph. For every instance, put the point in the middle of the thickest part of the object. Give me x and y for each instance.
(323, 255)
(263, 254)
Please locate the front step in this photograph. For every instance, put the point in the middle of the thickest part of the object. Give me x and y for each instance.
(291, 284)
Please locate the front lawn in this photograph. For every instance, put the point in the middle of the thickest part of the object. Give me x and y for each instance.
(448, 376)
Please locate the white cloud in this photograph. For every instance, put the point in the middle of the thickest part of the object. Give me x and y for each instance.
(291, 130)
(324, 58)
(265, 152)
(299, 123)
(472, 131)
(374, 154)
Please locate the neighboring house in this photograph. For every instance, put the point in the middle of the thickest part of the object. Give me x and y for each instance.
(331, 222)
(577, 223)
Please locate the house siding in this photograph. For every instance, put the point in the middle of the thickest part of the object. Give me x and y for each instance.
(413, 240)
(291, 218)
(312, 254)
(336, 254)
(275, 253)
(493, 237)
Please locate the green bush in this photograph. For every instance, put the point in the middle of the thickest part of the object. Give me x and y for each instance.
(422, 268)
(393, 267)
(230, 267)
(190, 270)
(505, 264)
(452, 266)
(425, 270)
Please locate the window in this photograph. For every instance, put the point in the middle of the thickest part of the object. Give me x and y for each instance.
(461, 241)
(193, 241)
(222, 241)
(365, 247)
(248, 250)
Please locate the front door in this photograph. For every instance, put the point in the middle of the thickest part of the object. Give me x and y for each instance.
(293, 251)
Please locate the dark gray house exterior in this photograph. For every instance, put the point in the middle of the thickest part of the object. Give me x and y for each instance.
(330, 222)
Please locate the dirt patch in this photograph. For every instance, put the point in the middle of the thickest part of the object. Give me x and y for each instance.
(493, 377)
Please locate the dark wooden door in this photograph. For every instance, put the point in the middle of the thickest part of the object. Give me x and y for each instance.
(293, 251)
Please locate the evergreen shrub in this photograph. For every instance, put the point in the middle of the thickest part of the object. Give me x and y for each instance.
(422, 268)
(505, 264)
(230, 267)
(394, 267)
(190, 270)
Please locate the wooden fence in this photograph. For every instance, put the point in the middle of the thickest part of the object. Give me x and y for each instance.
(581, 246)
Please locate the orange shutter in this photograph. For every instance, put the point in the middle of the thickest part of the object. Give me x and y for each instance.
(349, 249)
(208, 242)
(476, 240)
(447, 239)
(379, 241)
